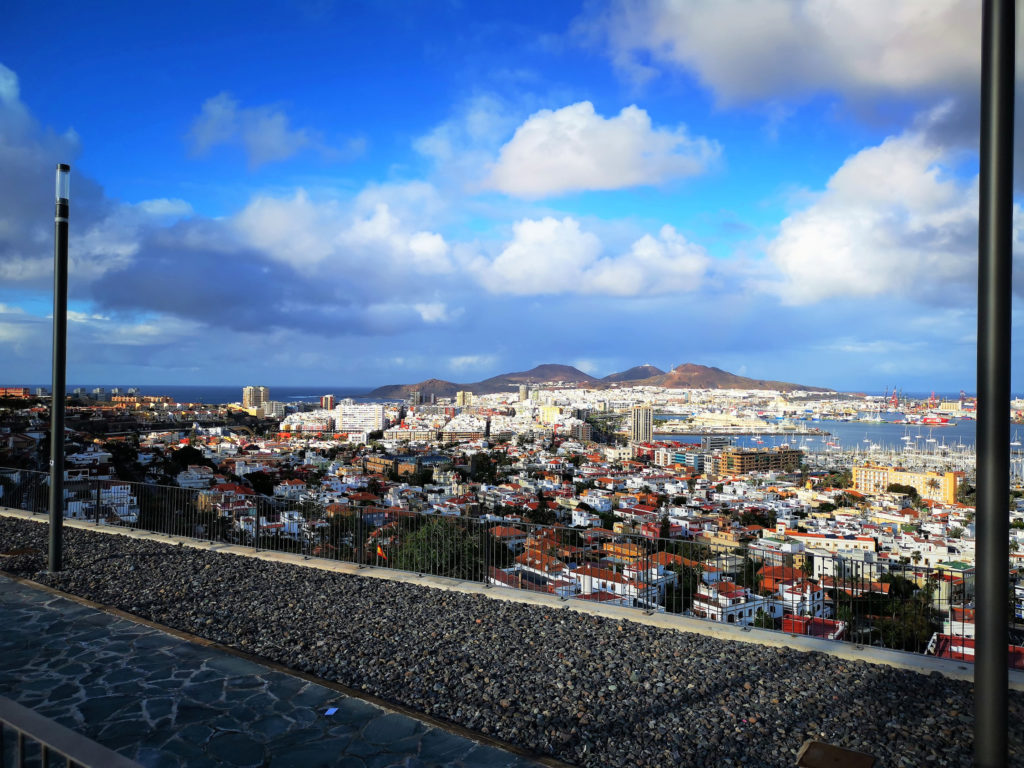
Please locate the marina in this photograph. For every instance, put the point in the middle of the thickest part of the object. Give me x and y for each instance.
(831, 443)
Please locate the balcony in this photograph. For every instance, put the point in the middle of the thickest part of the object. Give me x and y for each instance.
(572, 679)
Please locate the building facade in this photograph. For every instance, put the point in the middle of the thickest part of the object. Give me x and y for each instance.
(642, 427)
(936, 486)
(254, 397)
(739, 461)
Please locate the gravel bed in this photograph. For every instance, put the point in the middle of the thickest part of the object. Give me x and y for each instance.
(589, 690)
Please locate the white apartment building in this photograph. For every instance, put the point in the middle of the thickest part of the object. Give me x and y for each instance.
(359, 417)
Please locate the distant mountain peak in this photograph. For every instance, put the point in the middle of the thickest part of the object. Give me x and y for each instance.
(683, 376)
(636, 373)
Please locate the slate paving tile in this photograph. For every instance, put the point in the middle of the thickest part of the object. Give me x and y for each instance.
(270, 727)
(157, 758)
(168, 703)
(236, 749)
(324, 755)
(389, 729)
(100, 708)
(196, 733)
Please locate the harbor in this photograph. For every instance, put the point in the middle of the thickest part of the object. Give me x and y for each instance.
(831, 443)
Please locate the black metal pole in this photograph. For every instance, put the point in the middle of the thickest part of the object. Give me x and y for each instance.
(995, 272)
(60, 338)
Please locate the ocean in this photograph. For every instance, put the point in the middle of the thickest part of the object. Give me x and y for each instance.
(213, 394)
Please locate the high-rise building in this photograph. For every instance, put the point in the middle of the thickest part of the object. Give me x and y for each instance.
(366, 417)
(463, 398)
(415, 397)
(254, 397)
(642, 430)
(327, 402)
(274, 409)
(524, 392)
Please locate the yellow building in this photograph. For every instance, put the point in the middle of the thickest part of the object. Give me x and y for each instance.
(549, 414)
(463, 399)
(937, 486)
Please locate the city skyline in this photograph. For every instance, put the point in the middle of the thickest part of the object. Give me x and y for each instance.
(379, 193)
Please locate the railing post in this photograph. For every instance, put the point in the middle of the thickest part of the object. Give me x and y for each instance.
(359, 542)
(485, 553)
(97, 496)
(995, 274)
(60, 338)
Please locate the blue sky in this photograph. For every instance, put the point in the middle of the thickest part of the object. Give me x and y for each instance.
(381, 192)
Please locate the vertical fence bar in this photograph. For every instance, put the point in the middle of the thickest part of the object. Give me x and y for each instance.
(995, 272)
(60, 338)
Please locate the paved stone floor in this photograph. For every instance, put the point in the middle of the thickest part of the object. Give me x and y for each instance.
(165, 701)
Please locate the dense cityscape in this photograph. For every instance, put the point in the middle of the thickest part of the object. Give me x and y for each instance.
(609, 383)
(584, 493)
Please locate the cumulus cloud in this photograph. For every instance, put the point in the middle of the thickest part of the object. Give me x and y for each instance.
(265, 132)
(433, 312)
(545, 256)
(551, 256)
(573, 149)
(102, 232)
(462, 147)
(471, 362)
(320, 266)
(756, 49)
(892, 219)
(311, 235)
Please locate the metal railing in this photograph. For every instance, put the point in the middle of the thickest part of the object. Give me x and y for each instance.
(37, 740)
(855, 596)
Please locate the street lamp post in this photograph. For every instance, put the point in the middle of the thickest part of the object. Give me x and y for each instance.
(995, 300)
(60, 337)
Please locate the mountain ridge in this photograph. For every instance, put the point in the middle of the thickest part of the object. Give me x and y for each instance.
(683, 376)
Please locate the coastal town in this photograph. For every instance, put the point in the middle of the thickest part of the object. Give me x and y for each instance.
(583, 493)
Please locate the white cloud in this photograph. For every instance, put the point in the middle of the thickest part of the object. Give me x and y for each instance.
(556, 256)
(755, 49)
(471, 362)
(308, 234)
(294, 230)
(384, 235)
(165, 207)
(574, 149)
(265, 132)
(85, 317)
(891, 220)
(433, 312)
(665, 264)
(545, 256)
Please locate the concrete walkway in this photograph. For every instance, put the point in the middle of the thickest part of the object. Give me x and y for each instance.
(165, 701)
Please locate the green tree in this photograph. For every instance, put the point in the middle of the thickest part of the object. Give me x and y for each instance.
(909, 620)
(541, 515)
(749, 573)
(442, 547)
(763, 620)
(261, 482)
(184, 457)
(965, 493)
(907, 490)
(679, 596)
